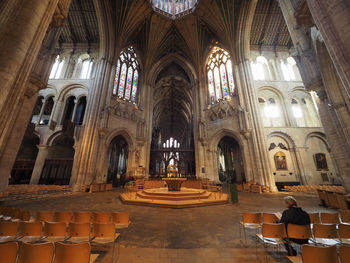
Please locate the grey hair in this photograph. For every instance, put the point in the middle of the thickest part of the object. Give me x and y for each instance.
(290, 200)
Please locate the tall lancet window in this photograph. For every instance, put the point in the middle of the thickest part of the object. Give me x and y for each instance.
(127, 75)
(220, 75)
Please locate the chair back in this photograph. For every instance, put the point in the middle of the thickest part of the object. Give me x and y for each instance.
(299, 231)
(79, 229)
(270, 230)
(16, 213)
(318, 254)
(325, 231)
(120, 218)
(252, 218)
(55, 229)
(103, 230)
(35, 253)
(7, 210)
(330, 218)
(314, 218)
(270, 218)
(25, 215)
(8, 252)
(81, 217)
(8, 228)
(72, 253)
(44, 216)
(101, 217)
(345, 216)
(65, 217)
(344, 253)
(30, 228)
(344, 230)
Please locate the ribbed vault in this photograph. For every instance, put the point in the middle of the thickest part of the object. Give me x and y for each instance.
(173, 100)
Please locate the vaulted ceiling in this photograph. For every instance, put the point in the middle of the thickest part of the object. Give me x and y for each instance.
(155, 36)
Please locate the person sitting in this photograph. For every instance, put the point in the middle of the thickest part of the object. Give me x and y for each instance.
(297, 216)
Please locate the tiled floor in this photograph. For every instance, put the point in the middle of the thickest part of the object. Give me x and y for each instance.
(202, 234)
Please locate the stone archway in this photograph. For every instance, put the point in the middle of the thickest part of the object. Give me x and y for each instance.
(230, 161)
(117, 160)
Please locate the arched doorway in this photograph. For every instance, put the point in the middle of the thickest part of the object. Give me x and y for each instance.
(59, 163)
(230, 162)
(117, 159)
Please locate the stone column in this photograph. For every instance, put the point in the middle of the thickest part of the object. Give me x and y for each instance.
(41, 112)
(23, 27)
(333, 20)
(20, 94)
(75, 109)
(336, 138)
(39, 164)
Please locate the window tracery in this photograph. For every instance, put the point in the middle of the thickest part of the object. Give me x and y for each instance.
(57, 68)
(127, 75)
(220, 75)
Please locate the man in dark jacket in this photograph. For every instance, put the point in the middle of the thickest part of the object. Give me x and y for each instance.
(297, 216)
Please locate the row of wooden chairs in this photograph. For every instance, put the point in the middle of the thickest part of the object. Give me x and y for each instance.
(314, 188)
(323, 217)
(57, 231)
(334, 199)
(327, 254)
(12, 213)
(13, 252)
(120, 219)
(321, 234)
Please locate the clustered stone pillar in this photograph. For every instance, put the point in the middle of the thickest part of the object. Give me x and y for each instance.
(39, 164)
(23, 69)
(322, 80)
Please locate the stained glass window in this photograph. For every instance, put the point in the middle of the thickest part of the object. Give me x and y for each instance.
(220, 75)
(127, 75)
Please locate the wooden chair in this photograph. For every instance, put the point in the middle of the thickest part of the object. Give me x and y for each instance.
(314, 218)
(272, 234)
(344, 254)
(269, 218)
(319, 254)
(81, 217)
(8, 252)
(101, 217)
(44, 216)
(344, 233)
(36, 253)
(30, 231)
(121, 219)
(72, 253)
(8, 231)
(325, 234)
(79, 232)
(105, 234)
(25, 215)
(250, 221)
(345, 216)
(330, 218)
(55, 231)
(65, 217)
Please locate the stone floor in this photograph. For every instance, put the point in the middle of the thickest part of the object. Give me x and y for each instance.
(203, 234)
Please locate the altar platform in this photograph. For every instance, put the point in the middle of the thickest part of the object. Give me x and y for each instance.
(186, 197)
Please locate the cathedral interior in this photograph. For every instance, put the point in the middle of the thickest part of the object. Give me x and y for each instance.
(219, 96)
